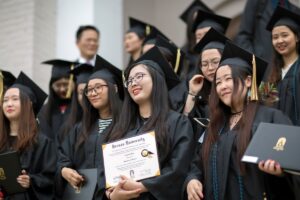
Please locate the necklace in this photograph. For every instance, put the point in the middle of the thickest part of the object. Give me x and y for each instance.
(235, 118)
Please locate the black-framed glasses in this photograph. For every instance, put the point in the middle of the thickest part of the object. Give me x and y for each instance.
(137, 78)
(213, 63)
(98, 88)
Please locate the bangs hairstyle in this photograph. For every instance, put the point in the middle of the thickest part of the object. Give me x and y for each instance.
(220, 115)
(159, 112)
(27, 131)
(91, 114)
(277, 60)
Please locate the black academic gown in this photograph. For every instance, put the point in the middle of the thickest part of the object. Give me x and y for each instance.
(87, 156)
(175, 164)
(255, 183)
(178, 96)
(289, 93)
(39, 162)
(57, 120)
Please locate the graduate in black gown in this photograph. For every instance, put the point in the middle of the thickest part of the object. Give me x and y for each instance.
(55, 112)
(82, 147)
(82, 72)
(252, 34)
(146, 108)
(20, 132)
(188, 16)
(192, 99)
(285, 69)
(134, 38)
(235, 114)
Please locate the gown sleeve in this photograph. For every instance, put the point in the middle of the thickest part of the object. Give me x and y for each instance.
(41, 169)
(175, 165)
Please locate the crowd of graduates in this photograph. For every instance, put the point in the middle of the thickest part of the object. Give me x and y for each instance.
(204, 101)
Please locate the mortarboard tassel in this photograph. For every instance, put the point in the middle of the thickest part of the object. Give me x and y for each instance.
(70, 86)
(1, 86)
(254, 95)
(178, 55)
(148, 30)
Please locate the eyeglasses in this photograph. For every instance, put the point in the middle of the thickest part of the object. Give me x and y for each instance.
(213, 63)
(97, 89)
(137, 78)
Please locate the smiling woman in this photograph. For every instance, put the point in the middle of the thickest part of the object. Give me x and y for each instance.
(285, 28)
(233, 119)
(146, 108)
(82, 147)
(20, 132)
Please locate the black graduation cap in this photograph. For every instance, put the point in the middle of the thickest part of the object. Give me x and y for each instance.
(211, 40)
(207, 19)
(139, 27)
(105, 70)
(154, 33)
(154, 59)
(7, 77)
(176, 53)
(82, 72)
(30, 88)
(235, 56)
(194, 6)
(61, 68)
(283, 16)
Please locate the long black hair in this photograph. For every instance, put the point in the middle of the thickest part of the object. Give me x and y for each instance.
(74, 117)
(220, 114)
(159, 112)
(91, 114)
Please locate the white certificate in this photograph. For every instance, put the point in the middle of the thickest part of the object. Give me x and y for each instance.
(135, 157)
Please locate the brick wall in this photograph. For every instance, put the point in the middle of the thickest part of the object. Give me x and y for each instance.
(27, 37)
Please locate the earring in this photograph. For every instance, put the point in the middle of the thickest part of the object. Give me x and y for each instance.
(248, 96)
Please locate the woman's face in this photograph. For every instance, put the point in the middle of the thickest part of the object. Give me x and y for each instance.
(60, 87)
(200, 32)
(284, 40)
(225, 87)
(140, 84)
(97, 93)
(132, 42)
(80, 92)
(210, 60)
(12, 104)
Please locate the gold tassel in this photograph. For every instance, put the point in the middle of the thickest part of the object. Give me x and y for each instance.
(148, 30)
(178, 55)
(254, 95)
(1, 86)
(70, 86)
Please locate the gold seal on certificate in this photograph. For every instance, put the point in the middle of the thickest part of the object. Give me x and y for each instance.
(135, 157)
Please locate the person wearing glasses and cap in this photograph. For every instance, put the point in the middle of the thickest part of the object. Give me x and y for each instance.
(191, 98)
(82, 147)
(285, 74)
(217, 172)
(146, 108)
(20, 132)
(55, 112)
